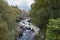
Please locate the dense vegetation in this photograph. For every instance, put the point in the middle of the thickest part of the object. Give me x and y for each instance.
(41, 12)
(53, 29)
(7, 21)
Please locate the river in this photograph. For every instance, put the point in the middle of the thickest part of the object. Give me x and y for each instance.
(29, 30)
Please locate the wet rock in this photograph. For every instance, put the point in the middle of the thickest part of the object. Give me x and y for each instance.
(20, 35)
(27, 31)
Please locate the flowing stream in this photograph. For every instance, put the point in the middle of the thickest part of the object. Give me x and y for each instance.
(28, 30)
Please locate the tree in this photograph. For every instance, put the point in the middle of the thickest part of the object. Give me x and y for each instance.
(7, 21)
(42, 11)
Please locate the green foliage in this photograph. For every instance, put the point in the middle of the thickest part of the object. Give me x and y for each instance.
(7, 21)
(42, 11)
(3, 31)
(53, 29)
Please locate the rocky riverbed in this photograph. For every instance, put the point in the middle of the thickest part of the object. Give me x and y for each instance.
(26, 30)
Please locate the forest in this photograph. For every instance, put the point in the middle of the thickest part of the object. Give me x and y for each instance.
(7, 21)
(45, 14)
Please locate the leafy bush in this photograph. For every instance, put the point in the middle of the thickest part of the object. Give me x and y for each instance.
(53, 29)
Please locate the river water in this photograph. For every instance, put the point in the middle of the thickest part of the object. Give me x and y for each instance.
(28, 30)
